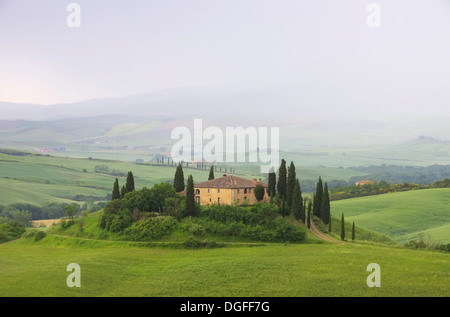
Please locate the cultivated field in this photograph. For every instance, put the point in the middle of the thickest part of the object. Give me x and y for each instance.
(401, 216)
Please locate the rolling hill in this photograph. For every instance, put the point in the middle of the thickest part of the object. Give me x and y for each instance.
(401, 216)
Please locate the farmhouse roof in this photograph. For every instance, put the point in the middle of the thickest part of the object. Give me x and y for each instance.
(229, 181)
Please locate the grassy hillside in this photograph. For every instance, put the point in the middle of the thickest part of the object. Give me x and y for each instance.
(29, 268)
(401, 216)
(41, 179)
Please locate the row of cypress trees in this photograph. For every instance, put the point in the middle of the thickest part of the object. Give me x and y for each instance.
(128, 187)
(289, 194)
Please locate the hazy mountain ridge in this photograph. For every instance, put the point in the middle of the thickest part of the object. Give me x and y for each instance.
(146, 120)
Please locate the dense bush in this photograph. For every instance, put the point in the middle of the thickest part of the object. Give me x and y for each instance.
(137, 205)
(258, 222)
(11, 231)
(152, 228)
(66, 224)
(34, 234)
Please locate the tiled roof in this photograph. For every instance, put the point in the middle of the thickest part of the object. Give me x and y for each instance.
(229, 181)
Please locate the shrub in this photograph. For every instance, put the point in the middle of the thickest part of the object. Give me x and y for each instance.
(66, 224)
(34, 234)
(120, 221)
(196, 230)
(151, 228)
(39, 235)
(11, 231)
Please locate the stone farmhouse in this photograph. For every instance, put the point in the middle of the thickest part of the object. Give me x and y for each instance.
(228, 190)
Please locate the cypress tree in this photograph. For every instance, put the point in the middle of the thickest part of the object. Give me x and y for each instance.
(123, 191)
(290, 184)
(319, 195)
(353, 231)
(190, 199)
(297, 201)
(342, 228)
(116, 191)
(308, 220)
(178, 181)
(130, 182)
(303, 211)
(281, 185)
(211, 173)
(271, 186)
(259, 191)
(325, 210)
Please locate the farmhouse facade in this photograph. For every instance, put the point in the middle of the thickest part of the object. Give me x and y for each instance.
(228, 190)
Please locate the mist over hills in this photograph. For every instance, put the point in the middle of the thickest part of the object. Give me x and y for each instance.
(146, 120)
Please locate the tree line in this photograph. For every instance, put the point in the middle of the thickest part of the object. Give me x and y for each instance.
(382, 187)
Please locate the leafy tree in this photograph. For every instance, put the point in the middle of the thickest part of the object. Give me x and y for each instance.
(282, 180)
(211, 173)
(271, 188)
(259, 192)
(190, 199)
(319, 196)
(290, 184)
(325, 210)
(130, 182)
(116, 191)
(11, 230)
(178, 182)
(23, 217)
(342, 228)
(159, 193)
(70, 211)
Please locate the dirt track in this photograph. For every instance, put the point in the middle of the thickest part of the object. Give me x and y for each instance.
(322, 236)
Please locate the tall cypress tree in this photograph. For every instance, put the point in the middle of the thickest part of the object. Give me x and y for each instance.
(342, 228)
(319, 195)
(308, 219)
(353, 231)
(290, 184)
(282, 179)
(190, 199)
(130, 182)
(325, 210)
(211, 173)
(116, 191)
(303, 212)
(271, 186)
(123, 191)
(297, 201)
(178, 181)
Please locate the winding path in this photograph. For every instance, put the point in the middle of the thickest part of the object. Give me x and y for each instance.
(321, 235)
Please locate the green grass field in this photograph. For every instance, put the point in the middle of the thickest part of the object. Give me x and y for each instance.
(295, 270)
(401, 216)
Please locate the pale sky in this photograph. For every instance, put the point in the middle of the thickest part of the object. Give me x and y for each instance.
(137, 46)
